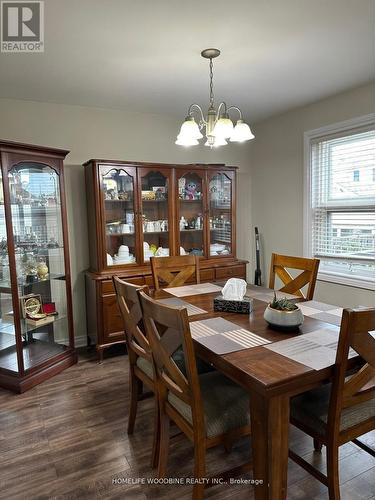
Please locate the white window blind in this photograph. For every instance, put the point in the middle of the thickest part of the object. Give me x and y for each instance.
(342, 204)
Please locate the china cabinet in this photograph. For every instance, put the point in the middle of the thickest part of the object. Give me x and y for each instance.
(36, 327)
(138, 210)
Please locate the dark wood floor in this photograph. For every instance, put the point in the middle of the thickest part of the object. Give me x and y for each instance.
(66, 439)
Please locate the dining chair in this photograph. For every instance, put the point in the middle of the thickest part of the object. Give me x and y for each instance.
(209, 409)
(141, 370)
(345, 409)
(309, 267)
(174, 271)
(139, 353)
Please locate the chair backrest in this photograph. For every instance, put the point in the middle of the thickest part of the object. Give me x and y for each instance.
(167, 329)
(357, 332)
(174, 271)
(309, 268)
(131, 312)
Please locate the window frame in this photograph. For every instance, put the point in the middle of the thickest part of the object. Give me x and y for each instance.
(355, 125)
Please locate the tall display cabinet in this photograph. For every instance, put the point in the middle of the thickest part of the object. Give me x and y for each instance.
(36, 326)
(137, 210)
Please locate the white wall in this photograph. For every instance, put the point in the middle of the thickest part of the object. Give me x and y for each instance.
(277, 168)
(103, 133)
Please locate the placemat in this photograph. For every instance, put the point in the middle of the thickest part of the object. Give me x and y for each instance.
(323, 312)
(222, 336)
(191, 309)
(184, 291)
(316, 349)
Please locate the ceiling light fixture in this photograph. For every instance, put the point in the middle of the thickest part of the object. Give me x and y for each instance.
(219, 127)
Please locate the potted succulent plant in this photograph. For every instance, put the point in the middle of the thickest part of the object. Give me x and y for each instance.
(283, 313)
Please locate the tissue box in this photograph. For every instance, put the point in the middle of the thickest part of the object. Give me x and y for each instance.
(244, 306)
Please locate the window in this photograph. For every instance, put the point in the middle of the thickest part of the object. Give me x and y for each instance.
(340, 204)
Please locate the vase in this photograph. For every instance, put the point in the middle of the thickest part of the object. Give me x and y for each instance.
(283, 319)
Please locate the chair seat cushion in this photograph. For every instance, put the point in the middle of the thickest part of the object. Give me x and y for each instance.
(226, 404)
(145, 365)
(311, 410)
(178, 357)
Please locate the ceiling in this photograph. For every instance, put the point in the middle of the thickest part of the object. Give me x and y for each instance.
(144, 55)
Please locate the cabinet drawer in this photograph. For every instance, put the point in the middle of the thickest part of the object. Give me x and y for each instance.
(207, 274)
(107, 285)
(112, 321)
(231, 272)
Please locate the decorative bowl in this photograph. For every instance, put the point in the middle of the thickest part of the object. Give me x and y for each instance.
(286, 320)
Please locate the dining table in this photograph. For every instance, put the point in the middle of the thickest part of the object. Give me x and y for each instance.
(270, 378)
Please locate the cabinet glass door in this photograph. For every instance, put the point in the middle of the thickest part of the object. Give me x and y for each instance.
(220, 214)
(155, 213)
(8, 344)
(35, 203)
(191, 219)
(119, 215)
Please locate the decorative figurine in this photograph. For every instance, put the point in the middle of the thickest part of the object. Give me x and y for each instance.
(190, 190)
(42, 270)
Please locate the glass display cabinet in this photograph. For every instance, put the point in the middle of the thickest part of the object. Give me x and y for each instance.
(36, 332)
(139, 210)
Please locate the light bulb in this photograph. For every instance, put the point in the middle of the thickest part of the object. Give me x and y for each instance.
(186, 141)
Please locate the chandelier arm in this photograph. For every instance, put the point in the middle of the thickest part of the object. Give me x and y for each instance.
(222, 105)
(237, 109)
(194, 105)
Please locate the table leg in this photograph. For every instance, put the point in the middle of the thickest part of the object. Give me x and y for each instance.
(269, 435)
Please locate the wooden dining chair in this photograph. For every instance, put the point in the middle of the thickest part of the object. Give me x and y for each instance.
(309, 267)
(209, 409)
(174, 271)
(139, 352)
(344, 410)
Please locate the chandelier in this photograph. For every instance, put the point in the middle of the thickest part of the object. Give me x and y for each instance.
(218, 126)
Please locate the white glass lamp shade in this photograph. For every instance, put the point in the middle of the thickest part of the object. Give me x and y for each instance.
(241, 132)
(189, 130)
(186, 141)
(219, 141)
(223, 128)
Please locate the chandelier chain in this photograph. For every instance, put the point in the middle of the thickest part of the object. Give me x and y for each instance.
(211, 83)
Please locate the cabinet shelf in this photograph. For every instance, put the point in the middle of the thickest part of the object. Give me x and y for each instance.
(121, 234)
(145, 233)
(155, 201)
(118, 201)
(190, 201)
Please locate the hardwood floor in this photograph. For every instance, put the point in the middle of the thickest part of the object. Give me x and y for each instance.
(66, 439)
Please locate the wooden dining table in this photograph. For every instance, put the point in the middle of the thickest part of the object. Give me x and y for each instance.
(270, 379)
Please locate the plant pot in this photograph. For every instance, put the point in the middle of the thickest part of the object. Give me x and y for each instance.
(286, 320)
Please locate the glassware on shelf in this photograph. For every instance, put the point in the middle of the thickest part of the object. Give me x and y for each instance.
(155, 213)
(220, 214)
(119, 214)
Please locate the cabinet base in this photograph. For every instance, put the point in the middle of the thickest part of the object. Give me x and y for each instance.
(20, 384)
